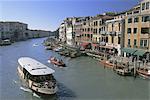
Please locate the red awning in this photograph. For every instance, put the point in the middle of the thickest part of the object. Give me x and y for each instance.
(94, 45)
(84, 45)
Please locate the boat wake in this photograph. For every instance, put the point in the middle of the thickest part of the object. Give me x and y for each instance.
(49, 61)
(35, 95)
(26, 89)
(30, 91)
(16, 82)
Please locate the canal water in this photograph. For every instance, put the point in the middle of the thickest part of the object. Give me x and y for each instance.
(83, 79)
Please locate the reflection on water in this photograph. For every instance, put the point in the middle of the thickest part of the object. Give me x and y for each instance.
(82, 79)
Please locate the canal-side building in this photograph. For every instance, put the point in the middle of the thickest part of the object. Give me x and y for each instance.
(14, 31)
(37, 33)
(96, 29)
(62, 32)
(69, 31)
(100, 38)
(137, 31)
(87, 32)
(115, 32)
(78, 30)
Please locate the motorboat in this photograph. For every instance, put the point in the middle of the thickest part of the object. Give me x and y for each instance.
(57, 49)
(35, 45)
(36, 76)
(57, 62)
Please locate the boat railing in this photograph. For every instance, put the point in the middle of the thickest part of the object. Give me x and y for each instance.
(49, 84)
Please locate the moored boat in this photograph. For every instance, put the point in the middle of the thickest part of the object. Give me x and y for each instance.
(48, 47)
(36, 76)
(123, 71)
(57, 49)
(57, 62)
(144, 72)
(5, 42)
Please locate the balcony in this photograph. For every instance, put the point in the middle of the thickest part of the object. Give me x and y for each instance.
(113, 33)
(119, 33)
(145, 48)
(108, 33)
(103, 32)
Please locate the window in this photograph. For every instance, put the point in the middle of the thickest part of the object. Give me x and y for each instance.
(129, 30)
(119, 39)
(119, 26)
(88, 29)
(135, 30)
(95, 30)
(99, 39)
(145, 18)
(136, 19)
(100, 23)
(147, 5)
(141, 43)
(128, 42)
(99, 30)
(106, 39)
(134, 42)
(96, 23)
(145, 43)
(144, 30)
(130, 20)
(143, 6)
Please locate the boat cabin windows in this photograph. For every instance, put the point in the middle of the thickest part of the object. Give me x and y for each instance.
(42, 78)
(37, 78)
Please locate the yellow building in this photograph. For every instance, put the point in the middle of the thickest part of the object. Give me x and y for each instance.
(115, 31)
(86, 35)
(137, 30)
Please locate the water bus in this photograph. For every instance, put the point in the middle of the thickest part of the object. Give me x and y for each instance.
(36, 76)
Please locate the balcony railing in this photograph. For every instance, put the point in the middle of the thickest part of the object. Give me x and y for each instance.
(103, 32)
(142, 47)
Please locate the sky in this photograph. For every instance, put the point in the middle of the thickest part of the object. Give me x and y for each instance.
(48, 14)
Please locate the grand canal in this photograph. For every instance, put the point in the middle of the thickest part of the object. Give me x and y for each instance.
(82, 79)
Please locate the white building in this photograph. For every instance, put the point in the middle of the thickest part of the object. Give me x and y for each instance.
(62, 32)
(69, 35)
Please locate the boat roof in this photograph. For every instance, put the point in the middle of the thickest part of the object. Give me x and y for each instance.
(34, 67)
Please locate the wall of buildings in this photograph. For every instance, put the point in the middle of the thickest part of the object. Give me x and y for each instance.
(37, 33)
(16, 31)
(137, 27)
(128, 29)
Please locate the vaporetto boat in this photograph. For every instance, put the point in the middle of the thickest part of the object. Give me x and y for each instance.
(36, 76)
